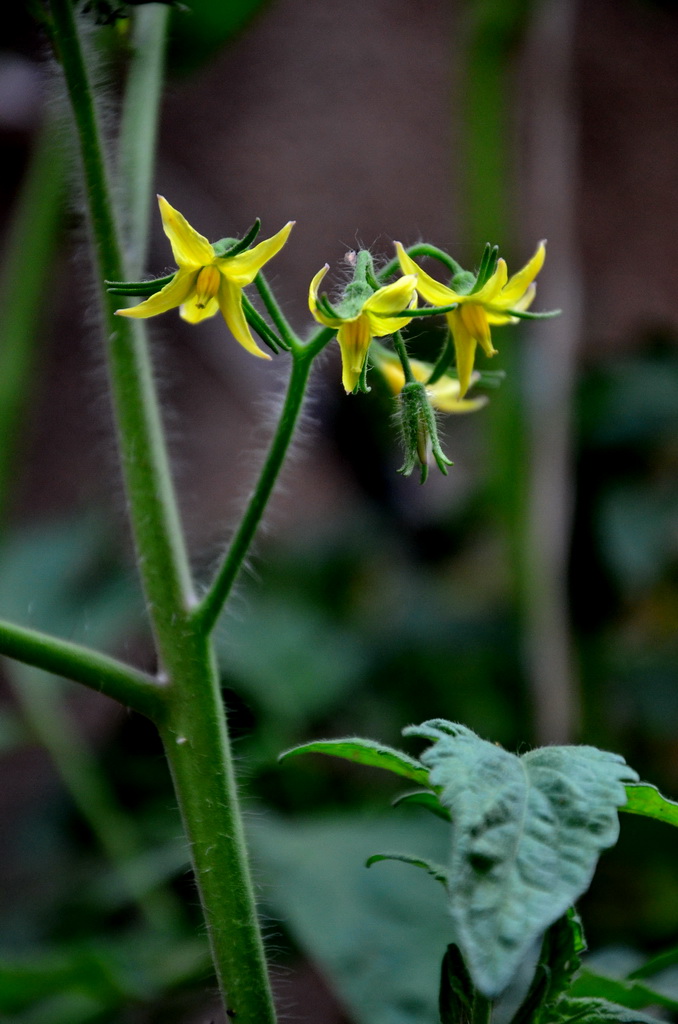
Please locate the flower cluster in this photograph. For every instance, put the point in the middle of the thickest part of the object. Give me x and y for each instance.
(212, 277)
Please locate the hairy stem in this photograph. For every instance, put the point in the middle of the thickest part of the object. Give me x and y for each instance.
(217, 595)
(162, 559)
(99, 672)
(274, 311)
(194, 727)
(198, 750)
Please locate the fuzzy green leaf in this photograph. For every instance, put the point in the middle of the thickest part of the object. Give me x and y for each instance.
(647, 800)
(598, 1011)
(436, 871)
(423, 798)
(527, 832)
(368, 752)
(627, 991)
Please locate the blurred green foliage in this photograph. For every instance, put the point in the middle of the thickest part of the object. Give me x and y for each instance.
(201, 28)
(360, 627)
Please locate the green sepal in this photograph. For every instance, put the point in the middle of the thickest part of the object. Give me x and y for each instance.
(327, 308)
(443, 361)
(436, 871)
(234, 246)
(144, 288)
(422, 311)
(256, 321)
(488, 265)
(524, 314)
(362, 385)
(646, 799)
(424, 798)
(367, 752)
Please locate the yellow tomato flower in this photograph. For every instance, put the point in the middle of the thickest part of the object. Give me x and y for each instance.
(206, 282)
(364, 320)
(444, 394)
(476, 312)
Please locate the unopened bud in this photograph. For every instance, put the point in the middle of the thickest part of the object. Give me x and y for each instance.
(419, 431)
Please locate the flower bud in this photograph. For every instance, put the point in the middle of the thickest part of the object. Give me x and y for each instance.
(419, 431)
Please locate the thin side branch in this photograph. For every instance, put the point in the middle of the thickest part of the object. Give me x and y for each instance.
(100, 672)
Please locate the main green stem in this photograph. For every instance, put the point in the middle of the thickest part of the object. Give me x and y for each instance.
(193, 726)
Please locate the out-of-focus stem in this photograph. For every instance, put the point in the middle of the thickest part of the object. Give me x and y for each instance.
(26, 266)
(139, 128)
(40, 698)
(551, 181)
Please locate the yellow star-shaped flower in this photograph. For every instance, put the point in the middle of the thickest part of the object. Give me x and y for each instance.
(206, 282)
(476, 312)
(364, 320)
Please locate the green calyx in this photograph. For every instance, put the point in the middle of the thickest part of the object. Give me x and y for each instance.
(464, 282)
(419, 432)
(357, 291)
(361, 288)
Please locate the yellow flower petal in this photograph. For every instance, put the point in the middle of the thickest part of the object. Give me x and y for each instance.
(445, 396)
(520, 282)
(392, 373)
(243, 268)
(475, 321)
(354, 340)
(499, 319)
(194, 309)
(190, 249)
(430, 289)
(392, 298)
(527, 299)
(172, 295)
(464, 348)
(230, 304)
(322, 318)
(492, 286)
